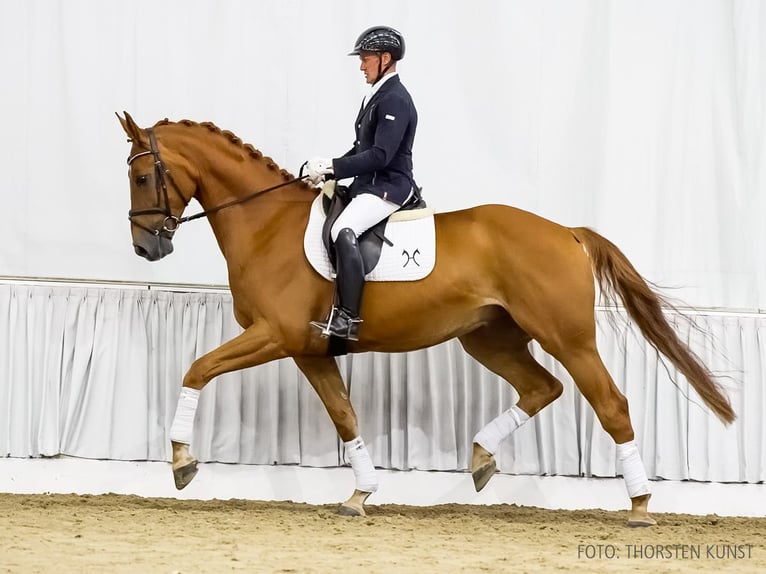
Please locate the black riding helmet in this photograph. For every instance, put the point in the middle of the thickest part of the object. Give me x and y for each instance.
(380, 39)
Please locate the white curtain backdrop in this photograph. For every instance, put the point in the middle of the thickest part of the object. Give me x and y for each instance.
(644, 119)
(95, 373)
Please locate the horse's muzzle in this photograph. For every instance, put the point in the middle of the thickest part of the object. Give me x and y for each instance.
(155, 249)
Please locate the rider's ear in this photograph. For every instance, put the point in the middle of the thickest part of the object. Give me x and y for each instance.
(135, 134)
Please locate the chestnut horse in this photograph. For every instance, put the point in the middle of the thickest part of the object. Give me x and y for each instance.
(502, 277)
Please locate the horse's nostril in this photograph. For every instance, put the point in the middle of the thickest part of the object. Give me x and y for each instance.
(140, 251)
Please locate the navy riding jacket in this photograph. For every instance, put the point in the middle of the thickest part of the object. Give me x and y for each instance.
(381, 160)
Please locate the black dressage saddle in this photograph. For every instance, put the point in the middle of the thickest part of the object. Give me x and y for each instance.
(371, 241)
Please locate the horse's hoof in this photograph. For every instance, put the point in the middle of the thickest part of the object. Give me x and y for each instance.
(642, 522)
(483, 466)
(184, 475)
(346, 509)
(638, 517)
(354, 506)
(482, 475)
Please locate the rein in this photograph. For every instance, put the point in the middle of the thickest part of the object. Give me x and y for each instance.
(248, 197)
(171, 223)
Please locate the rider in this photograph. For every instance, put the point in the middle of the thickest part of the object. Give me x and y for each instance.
(380, 163)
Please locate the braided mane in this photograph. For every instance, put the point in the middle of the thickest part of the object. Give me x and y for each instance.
(234, 139)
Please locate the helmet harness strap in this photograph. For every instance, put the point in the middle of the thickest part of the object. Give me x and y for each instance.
(382, 72)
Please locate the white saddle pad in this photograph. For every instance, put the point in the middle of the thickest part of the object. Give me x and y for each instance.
(411, 257)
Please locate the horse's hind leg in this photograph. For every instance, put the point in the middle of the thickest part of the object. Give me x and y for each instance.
(611, 407)
(324, 376)
(502, 347)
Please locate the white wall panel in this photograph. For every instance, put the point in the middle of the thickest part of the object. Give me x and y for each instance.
(643, 119)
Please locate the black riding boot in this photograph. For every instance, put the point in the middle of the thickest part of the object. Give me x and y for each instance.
(344, 319)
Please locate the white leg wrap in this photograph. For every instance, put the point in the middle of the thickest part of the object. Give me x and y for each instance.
(500, 428)
(361, 463)
(633, 469)
(183, 422)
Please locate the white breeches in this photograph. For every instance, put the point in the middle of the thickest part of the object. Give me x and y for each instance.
(362, 212)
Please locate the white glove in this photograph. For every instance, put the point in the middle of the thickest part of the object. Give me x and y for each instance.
(317, 168)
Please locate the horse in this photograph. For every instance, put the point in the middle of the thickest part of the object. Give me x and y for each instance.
(503, 277)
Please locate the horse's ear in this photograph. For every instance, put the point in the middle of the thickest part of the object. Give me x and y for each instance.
(135, 134)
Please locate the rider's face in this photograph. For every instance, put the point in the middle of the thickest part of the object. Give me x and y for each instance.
(371, 63)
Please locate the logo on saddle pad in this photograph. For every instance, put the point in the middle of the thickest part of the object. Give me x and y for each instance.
(408, 252)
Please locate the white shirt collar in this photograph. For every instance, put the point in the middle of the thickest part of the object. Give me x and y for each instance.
(374, 89)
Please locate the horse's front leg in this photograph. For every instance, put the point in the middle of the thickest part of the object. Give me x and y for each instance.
(324, 376)
(255, 346)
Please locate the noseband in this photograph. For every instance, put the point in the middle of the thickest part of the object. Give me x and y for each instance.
(171, 222)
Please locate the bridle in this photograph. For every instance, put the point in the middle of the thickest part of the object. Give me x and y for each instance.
(171, 223)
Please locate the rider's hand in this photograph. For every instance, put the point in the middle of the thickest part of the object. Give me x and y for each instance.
(317, 168)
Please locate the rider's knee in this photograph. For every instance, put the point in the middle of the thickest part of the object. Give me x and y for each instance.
(345, 235)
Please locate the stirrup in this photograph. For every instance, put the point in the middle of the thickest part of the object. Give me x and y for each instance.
(324, 327)
(339, 324)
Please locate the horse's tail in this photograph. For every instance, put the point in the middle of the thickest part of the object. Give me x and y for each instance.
(615, 274)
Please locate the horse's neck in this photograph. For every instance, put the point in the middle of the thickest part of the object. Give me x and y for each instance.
(249, 230)
(242, 186)
(260, 234)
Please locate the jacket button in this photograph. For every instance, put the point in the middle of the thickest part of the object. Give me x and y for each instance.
(359, 125)
(358, 142)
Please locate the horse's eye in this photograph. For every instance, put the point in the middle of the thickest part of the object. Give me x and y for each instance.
(141, 179)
